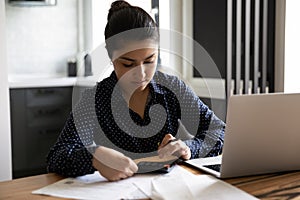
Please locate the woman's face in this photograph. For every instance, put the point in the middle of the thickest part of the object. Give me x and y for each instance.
(136, 68)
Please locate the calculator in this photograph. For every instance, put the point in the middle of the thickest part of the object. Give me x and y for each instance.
(155, 167)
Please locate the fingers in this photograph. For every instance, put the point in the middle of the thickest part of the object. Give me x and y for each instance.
(133, 168)
(115, 175)
(127, 165)
(186, 153)
(109, 173)
(121, 175)
(169, 149)
(165, 141)
(113, 165)
(175, 148)
(115, 160)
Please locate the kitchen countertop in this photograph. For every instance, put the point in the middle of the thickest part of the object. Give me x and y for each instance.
(37, 81)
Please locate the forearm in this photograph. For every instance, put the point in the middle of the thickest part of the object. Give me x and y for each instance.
(208, 142)
(201, 149)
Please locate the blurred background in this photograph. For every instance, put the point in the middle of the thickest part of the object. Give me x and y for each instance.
(46, 48)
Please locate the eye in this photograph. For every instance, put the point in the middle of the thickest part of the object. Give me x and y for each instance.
(148, 62)
(128, 65)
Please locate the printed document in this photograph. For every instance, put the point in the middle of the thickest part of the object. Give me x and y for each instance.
(179, 184)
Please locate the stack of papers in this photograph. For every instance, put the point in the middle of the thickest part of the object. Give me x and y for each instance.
(178, 184)
(94, 186)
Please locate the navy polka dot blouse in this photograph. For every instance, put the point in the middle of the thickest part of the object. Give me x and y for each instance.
(102, 118)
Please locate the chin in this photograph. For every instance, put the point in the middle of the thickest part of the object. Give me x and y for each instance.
(141, 88)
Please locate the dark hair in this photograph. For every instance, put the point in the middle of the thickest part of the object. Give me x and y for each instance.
(124, 17)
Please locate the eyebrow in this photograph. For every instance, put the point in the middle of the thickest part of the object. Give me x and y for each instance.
(130, 59)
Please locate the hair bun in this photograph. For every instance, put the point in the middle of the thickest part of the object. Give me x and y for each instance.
(116, 6)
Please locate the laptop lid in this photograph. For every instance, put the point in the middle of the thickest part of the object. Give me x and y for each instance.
(262, 134)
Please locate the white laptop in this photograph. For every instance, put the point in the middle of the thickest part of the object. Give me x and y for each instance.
(262, 136)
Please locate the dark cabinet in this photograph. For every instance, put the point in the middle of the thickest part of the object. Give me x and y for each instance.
(37, 117)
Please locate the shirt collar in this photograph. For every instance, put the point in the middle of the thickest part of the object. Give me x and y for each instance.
(154, 84)
(113, 77)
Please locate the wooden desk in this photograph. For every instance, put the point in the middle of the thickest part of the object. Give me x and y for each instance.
(279, 186)
(271, 186)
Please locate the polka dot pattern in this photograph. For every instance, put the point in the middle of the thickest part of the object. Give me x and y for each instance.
(93, 122)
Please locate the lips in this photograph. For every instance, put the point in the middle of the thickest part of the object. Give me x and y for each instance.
(140, 82)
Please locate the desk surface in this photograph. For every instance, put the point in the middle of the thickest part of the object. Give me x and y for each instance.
(271, 186)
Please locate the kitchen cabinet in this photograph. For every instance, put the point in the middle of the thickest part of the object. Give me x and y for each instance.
(37, 118)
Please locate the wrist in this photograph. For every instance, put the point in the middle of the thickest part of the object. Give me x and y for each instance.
(92, 149)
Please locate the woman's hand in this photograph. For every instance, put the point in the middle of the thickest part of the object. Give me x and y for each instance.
(112, 164)
(172, 146)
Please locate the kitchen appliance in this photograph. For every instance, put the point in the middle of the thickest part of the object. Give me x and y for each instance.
(32, 2)
(87, 65)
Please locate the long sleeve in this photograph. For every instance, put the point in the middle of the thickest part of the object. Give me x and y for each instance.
(68, 156)
(209, 134)
(201, 124)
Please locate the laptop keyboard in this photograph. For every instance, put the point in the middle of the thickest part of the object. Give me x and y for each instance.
(214, 167)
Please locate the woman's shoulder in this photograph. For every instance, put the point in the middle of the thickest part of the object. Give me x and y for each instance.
(175, 84)
(169, 80)
(165, 77)
(107, 83)
(101, 88)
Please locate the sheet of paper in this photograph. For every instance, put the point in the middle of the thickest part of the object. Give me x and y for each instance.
(94, 186)
(171, 187)
(209, 187)
(180, 184)
(147, 187)
(205, 161)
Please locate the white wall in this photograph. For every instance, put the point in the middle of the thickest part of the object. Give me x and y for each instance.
(5, 142)
(292, 44)
(99, 17)
(41, 39)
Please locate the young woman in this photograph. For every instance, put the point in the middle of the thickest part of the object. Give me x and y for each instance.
(136, 111)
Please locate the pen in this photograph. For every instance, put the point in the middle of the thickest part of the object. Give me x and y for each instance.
(173, 140)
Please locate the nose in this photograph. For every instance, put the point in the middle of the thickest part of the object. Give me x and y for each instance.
(139, 72)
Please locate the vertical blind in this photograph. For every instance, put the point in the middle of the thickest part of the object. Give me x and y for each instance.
(247, 46)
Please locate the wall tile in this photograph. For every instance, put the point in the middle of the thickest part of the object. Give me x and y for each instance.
(41, 39)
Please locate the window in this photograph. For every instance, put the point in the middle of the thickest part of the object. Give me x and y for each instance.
(292, 44)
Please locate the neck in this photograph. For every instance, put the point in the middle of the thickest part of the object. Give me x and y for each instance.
(137, 94)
